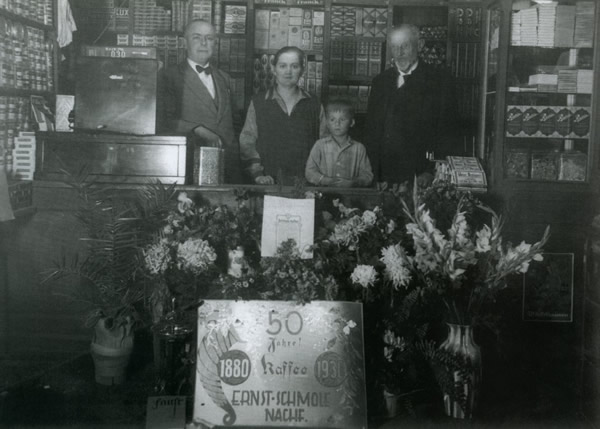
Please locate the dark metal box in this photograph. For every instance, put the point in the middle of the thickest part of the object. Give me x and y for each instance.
(116, 93)
(110, 157)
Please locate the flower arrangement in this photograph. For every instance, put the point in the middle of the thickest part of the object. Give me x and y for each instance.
(467, 266)
(441, 254)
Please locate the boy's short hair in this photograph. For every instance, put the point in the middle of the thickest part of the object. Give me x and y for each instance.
(340, 105)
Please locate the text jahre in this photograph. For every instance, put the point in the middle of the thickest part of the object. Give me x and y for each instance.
(278, 342)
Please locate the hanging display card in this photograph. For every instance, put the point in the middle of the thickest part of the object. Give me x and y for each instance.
(548, 289)
(285, 219)
(277, 363)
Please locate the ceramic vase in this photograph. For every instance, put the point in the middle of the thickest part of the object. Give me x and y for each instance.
(462, 401)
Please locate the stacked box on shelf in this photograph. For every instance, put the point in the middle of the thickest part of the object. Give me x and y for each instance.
(564, 28)
(355, 57)
(36, 10)
(553, 25)
(235, 19)
(276, 28)
(232, 55)
(358, 95)
(546, 25)
(263, 78)
(169, 48)
(585, 80)
(14, 118)
(571, 122)
(351, 21)
(584, 24)
(201, 9)
(23, 166)
(179, 14)
(25, 57)
(121, 17)
(515, 29)
(149, 17)
(239, 91)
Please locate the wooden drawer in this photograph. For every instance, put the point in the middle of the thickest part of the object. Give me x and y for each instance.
(111, 157)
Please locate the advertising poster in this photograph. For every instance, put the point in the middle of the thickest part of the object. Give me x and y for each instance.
(278, 363)
(548, 289)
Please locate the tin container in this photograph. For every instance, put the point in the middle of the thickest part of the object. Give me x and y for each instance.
(209, 166)
(544, 165)
(572, 166)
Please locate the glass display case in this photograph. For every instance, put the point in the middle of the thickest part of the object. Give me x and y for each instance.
(538, 124)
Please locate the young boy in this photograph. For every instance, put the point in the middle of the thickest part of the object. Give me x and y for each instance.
(337, 160)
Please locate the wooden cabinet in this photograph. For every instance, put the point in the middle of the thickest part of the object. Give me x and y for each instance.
(540, 89)
(538, 136)
(111, 158)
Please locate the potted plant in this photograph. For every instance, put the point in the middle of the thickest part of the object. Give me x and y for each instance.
(104, 275)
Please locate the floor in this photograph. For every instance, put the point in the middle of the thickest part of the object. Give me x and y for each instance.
(19, 369)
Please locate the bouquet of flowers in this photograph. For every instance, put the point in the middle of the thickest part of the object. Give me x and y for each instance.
(349, 245)
(467, 266)
(179, 258)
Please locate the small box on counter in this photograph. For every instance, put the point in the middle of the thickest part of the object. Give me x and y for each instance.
(209, 166)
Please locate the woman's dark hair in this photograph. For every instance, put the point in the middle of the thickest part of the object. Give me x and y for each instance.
(286, 49)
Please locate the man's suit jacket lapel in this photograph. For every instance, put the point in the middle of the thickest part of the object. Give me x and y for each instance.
(191, 82)
(221, 89)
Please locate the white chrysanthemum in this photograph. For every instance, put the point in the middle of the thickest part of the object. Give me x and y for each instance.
(346, 233)
(364, 275)
(195, 254)
(396, 270)
(156, 257)
(369, 218)
(483, 240)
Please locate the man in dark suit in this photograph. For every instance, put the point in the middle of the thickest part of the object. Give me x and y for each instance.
(411, 113)
(195, 99)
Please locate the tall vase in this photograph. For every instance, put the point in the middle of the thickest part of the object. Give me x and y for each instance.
(462, 401)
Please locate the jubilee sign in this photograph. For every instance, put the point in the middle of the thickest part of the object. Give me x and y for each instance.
(276, 363)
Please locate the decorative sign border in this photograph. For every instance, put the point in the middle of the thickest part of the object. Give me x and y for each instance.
(278, 363)
(548, 289)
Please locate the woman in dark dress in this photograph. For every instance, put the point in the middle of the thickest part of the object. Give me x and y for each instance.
(282, 124)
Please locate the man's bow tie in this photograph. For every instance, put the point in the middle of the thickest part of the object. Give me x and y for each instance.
(206, 69)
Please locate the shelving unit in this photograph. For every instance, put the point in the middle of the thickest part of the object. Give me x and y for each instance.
(544, 126)
(275, 25)
(538, 138)
(344, 40)
(357, 40)
(27, 68)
